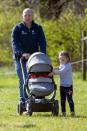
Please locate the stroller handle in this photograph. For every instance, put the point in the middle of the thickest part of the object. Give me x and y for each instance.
(22, 69)
(25, 88)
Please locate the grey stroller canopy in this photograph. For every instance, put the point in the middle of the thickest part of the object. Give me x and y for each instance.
(38, 66)
(39, 62)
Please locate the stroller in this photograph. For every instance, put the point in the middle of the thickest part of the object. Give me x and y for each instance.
(39, 85)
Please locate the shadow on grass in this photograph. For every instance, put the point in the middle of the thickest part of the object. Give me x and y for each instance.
(76, 116)
(3, 125)
(26, 126)
(43, 115)
(19, 125)
(2, 87)
(60, 116)
(80, 116)
(50, 115)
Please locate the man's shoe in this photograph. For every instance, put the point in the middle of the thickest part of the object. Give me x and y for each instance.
(25, 113)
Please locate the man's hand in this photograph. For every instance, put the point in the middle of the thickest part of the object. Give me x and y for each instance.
(25, 56)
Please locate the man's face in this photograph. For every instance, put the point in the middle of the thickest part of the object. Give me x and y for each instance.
(27, 17)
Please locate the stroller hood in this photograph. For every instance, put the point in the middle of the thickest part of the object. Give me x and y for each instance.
(39, 62)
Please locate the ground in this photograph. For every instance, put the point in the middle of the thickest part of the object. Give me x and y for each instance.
(11, 121)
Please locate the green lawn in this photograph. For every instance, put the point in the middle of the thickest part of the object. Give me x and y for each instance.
(10, 121)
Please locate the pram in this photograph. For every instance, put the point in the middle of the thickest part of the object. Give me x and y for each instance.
(39, 85)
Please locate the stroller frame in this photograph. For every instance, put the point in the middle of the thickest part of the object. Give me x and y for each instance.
(38, 104)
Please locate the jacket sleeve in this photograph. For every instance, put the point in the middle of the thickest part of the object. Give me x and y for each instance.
(42, 40)
(62, 70)
(15, 42)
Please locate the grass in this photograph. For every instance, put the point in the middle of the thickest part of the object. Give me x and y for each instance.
(10, 121)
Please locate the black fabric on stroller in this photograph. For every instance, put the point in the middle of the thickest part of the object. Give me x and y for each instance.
(38, 67)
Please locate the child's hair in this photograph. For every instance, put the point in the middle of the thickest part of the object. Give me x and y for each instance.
(64, 53)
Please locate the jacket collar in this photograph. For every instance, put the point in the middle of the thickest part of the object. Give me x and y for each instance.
(32, 25)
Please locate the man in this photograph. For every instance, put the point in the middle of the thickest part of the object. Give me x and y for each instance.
(27, 38)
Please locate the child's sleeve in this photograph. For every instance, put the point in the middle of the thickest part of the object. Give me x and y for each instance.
(56, 71)
(63, 69)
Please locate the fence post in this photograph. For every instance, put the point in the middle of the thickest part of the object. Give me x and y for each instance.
(84, 42)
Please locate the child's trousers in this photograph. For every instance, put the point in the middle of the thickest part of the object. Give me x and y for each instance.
(66, 92)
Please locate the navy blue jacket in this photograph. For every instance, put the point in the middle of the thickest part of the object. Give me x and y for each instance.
(27, 40)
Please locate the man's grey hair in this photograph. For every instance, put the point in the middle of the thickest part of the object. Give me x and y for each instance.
(27, 10)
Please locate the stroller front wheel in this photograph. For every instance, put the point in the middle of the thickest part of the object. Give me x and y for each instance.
(55, 110)
(29, 108)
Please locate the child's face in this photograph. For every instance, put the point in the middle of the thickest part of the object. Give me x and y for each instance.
(63, 59)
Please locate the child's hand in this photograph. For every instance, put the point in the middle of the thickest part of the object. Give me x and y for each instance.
(51, 74)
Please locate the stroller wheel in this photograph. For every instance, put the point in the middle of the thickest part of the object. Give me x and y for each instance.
(30, 113)
(29, 108)
(21, 108)
(55, 110)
